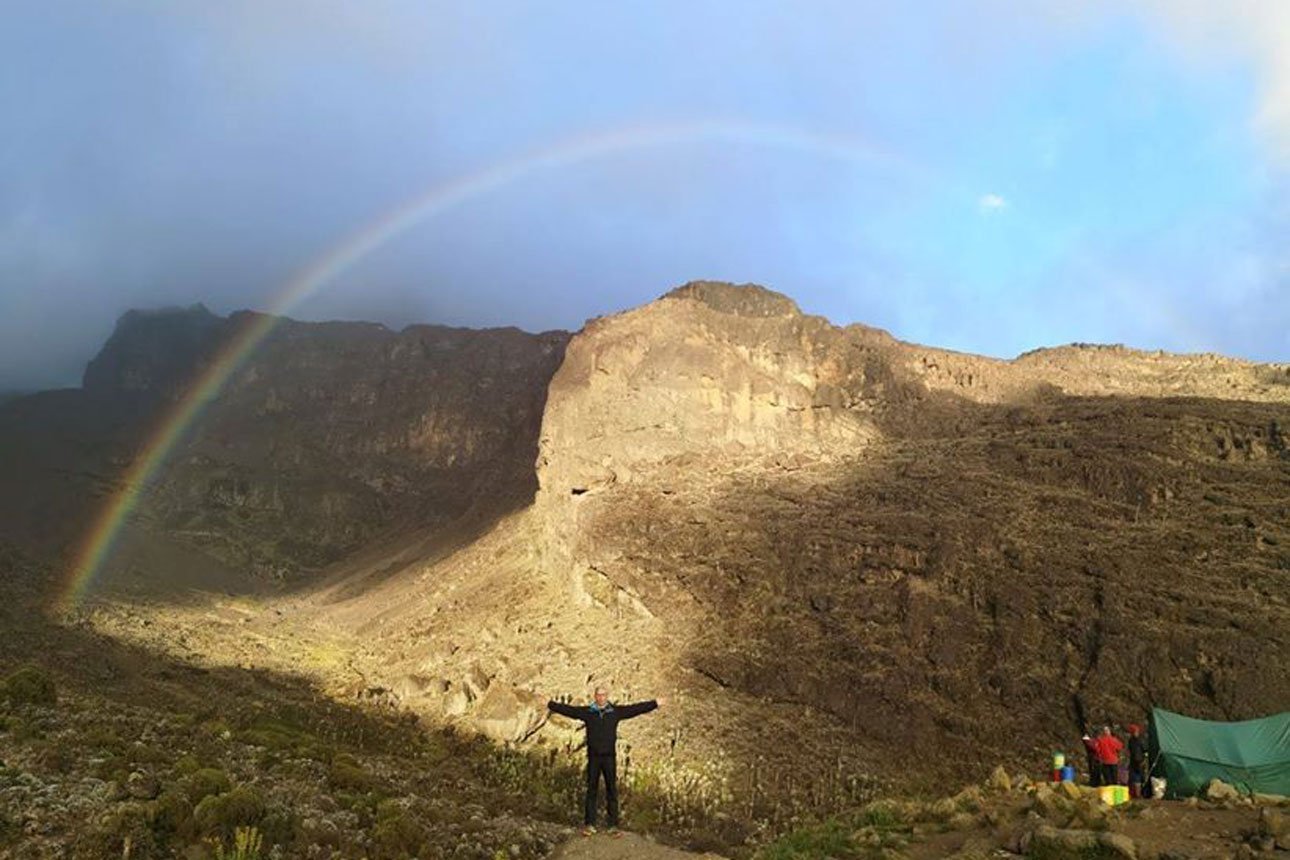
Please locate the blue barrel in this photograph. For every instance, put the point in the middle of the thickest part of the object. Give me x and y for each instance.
(1068, 773)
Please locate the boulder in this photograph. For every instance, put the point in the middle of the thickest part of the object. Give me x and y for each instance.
(476, 681)
(1273, 824)
(999, 780)
(1054, 842)
(1218, 791)
(507, 714)
(456, 702)
(1050, 804)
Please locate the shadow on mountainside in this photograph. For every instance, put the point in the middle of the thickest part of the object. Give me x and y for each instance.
(145, 754)
(308, 458)
(980, 583)
(111, 749)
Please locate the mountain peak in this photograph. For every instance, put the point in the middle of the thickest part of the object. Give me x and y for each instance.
(745, 300)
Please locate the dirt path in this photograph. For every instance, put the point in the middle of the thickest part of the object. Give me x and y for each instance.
(629, 846)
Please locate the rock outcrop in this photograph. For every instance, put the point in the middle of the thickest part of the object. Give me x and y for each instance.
(912, 548)
(328, 435)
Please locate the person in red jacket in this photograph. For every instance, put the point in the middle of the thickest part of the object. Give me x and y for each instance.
(1108, 748)
(1094, 767)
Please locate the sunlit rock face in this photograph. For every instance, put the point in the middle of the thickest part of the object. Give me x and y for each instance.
(918, 548)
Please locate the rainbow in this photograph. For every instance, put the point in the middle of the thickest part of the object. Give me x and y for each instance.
(100, 539)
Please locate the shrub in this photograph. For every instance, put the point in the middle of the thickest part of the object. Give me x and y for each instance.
(206, 782)
(247, 843)
(396, 834)
(172, 814)
(10, 829)
(345, 774)
(98, 737)
(123, 832)
(830, 839)
(29, 685)
(187, 765)
(221, 814)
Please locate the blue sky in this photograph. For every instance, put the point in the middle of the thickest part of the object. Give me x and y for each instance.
(985, 176)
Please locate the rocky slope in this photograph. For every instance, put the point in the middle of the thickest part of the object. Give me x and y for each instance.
(840, 548)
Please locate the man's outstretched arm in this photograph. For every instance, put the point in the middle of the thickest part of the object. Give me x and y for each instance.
(571, 711)
(626, 712)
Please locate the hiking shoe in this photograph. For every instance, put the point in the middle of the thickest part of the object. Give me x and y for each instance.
(588, 831)
(615, 833)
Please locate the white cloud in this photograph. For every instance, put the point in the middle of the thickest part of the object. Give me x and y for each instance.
(991, 203)
(1257, 31)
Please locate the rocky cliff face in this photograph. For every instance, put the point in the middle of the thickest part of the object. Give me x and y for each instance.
(916, 549)
(329, 435)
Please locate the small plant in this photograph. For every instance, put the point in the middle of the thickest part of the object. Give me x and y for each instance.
(247, 844)
(222, 814)
(830, 839)
(29, 685)
(206, 782)
(396, 834)
(345, 774)
(172, 814)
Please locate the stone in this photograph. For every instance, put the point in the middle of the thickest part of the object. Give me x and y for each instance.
(1081, 842)
(1272, 822)
(999, 780)
(1217, 791)
(1119, 844)
(476, 681)
(456, 702)
(1070, 790)
(507, 714)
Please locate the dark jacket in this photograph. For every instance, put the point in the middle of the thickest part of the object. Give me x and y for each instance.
(602, 725)
(1137, 752)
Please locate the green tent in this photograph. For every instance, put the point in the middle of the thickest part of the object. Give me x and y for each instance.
(1253, 755)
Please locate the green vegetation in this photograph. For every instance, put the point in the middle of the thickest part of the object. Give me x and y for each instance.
(206, 782)
(222, 814)
(830, 839)
(29, 685)
(247, 843)
(396, 835)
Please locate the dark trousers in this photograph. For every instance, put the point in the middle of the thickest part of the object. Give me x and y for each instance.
(598, 765)
(1094, 771)
(1110, 774)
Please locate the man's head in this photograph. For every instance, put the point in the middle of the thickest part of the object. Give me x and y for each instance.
(1135, 729)
(1106, 730)
(601, 696)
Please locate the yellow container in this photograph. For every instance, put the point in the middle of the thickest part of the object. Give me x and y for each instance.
(1059, 760)
(1113, 795)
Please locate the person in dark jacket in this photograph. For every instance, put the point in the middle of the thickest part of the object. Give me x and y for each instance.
(601, 719)
(1137, 761)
